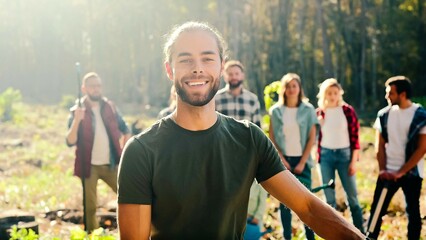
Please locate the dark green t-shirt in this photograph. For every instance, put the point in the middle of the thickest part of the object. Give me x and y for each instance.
(198, 182)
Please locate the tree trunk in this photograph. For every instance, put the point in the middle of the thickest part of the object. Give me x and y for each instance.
(328, 64)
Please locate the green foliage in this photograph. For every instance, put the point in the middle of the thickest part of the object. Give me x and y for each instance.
(67, 101)
(8, 99)
(420, 100)
(97, 234)
(271, 94)
(22, 234)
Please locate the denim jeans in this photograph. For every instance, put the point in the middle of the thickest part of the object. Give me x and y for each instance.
(333, 160)
(411, 187)
(305, 179)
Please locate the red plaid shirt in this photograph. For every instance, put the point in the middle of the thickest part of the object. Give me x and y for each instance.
(353, 127)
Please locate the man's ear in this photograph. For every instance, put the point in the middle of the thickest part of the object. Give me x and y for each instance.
(169, 70)
(83, 89)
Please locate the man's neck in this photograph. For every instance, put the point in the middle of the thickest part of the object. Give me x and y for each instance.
(195, 118)
(93, 104)
(236, 91)
(405, 104)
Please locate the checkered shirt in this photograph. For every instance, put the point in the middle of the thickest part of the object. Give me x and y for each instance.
(242, 107)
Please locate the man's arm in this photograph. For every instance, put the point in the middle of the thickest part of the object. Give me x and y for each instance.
(415, 158)
(134, 221)
(72, 134)
(381, 155)
(124, 129)
(323, 219)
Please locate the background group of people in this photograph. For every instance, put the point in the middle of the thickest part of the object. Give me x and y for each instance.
(99, 132)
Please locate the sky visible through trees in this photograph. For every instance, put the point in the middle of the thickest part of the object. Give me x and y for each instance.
(361, 43)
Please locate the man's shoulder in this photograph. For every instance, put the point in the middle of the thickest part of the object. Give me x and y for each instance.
(154, 130)
(420, 113)
(222, 91)
(383, 111)
(234, 123)
(250, 94)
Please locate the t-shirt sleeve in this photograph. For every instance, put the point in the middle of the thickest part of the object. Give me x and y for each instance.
(377, 125)
(423, 130)
(269, 162)
(135, 174)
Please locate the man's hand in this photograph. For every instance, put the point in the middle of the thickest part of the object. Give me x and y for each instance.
(395, 175)
(384, 175)
(387, 175)
(79, 114)
(253, 220)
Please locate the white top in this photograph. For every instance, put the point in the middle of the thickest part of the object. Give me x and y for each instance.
(399, 122)
(334, 131)
(101, 148)
(291, 130)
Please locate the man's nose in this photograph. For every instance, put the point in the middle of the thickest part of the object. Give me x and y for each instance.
(198, 68)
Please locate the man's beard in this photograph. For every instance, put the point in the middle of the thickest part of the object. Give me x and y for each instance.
(197, 100)
(95, 98)
(234, 85)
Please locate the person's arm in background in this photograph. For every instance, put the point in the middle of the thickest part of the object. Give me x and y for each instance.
(323, 219)
(74, 123)
(307, 151)
(272, 137)
(257, 118)
(381, 155)
(124, 129)
(354, 140)
(134, 221)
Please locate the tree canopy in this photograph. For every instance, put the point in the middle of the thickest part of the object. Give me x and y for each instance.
(360, 43)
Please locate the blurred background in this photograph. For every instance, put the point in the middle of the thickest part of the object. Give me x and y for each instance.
(361, 43)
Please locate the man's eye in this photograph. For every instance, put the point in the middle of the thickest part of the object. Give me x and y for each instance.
(208, 59)
(185, 61)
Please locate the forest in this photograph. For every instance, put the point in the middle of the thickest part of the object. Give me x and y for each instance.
(360, 43)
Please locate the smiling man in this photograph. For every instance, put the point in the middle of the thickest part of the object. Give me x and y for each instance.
(189, 175)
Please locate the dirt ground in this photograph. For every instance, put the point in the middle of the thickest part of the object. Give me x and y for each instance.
(38, 146)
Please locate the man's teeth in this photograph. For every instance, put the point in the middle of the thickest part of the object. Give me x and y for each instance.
(196, 83)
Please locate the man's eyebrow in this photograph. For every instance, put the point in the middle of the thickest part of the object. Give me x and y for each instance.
(187, 54)
(208, 53)
(184, 54)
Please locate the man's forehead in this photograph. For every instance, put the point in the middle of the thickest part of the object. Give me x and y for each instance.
(391, 88)
(93, 80)
(195, 42)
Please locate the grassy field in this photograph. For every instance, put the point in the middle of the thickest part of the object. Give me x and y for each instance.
(36, 176)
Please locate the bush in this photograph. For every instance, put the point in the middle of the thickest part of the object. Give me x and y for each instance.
(420, 100)
(67, 101)
(8, 100)
(271, 95)
(22, 234)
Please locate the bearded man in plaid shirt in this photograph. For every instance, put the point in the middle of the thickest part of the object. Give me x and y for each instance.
(234, 100)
